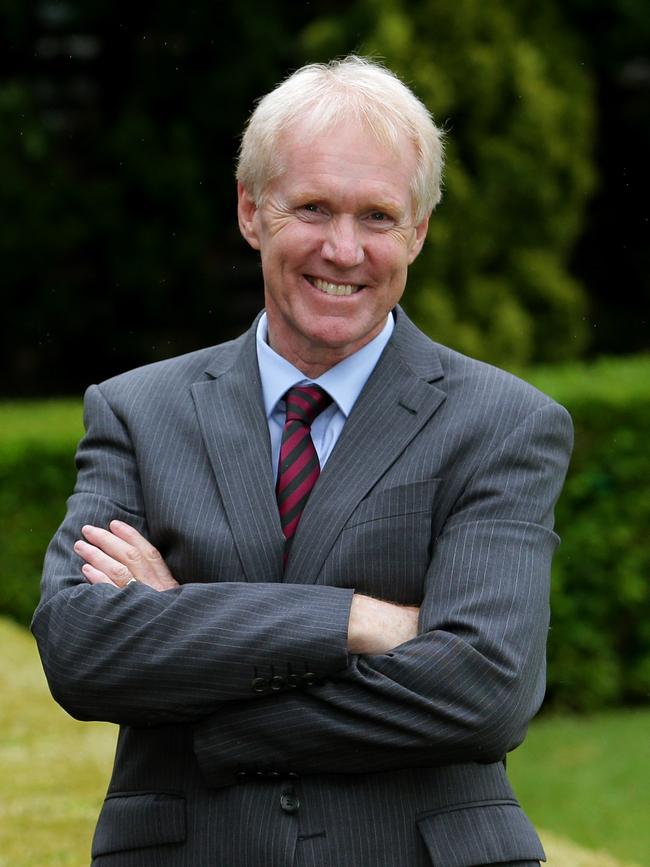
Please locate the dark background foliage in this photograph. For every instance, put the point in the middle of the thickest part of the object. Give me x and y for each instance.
(612, 256)
(119, 125)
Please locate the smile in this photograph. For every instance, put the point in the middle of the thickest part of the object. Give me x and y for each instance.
(334, 288)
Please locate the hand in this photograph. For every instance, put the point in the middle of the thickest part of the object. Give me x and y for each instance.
(377, 627)
(120, 556)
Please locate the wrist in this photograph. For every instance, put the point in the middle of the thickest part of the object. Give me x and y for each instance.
(376, 626)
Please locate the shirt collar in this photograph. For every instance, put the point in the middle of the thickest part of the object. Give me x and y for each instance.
(343, 382)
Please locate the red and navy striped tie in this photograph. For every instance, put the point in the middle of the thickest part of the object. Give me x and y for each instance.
(299, 467)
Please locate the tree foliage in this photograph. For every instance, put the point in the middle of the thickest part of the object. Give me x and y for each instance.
(119, 127)
(118, 134)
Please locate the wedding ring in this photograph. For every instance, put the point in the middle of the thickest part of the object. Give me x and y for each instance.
(130, 581)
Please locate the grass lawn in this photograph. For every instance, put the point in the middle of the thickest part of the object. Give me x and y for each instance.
(54, 769)
(54, 421)
(586, 779)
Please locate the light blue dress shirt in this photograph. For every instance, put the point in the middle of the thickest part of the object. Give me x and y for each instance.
(343, 383)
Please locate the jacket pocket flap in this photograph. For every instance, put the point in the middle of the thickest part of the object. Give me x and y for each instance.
(486, 833)
(394, 501)
(130, 821)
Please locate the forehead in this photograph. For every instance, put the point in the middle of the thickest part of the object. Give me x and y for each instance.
(346, 159)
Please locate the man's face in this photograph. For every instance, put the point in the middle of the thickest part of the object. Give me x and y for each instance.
(336, 236)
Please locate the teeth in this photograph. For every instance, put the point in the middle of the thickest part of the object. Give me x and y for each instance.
(334, 288)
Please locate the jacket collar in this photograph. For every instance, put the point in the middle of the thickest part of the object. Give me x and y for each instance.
(397, 401)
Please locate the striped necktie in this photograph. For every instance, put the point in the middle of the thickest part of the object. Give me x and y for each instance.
(299, 467)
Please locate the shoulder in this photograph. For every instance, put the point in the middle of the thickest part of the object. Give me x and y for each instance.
(485, 383)
(482, 404)
(161, 393)
(464, 379)
(173, 374)
(505, 408)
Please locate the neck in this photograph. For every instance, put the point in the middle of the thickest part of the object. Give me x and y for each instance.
(312, 362)
(314, 359)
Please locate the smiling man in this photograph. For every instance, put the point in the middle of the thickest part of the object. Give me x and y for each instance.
(336, 232)
(307, 571)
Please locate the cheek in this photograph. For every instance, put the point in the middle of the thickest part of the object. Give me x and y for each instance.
(293, 247)
(393, 252)
(392, 265)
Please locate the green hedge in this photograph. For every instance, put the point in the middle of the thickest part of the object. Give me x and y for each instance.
(37, 472)
(599, 649)
(599, 646)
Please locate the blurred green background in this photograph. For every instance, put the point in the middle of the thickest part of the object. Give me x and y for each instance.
(119, 127)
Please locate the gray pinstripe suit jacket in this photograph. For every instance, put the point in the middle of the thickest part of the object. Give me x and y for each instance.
(440, 492)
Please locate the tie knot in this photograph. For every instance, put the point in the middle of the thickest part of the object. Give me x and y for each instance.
(305, 402)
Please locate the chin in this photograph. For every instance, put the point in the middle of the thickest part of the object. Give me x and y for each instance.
(335, 338)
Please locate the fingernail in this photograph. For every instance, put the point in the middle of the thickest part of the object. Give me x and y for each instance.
(118, 523)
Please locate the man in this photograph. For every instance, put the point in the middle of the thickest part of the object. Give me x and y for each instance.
(331, 677)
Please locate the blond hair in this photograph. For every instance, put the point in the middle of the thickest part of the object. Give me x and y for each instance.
(321, 95)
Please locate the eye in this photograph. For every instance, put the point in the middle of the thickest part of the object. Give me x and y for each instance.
(380, 219)
(310, 208)
(311, 212)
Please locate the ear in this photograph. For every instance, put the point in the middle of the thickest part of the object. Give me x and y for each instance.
(247, 214)
(418, 241)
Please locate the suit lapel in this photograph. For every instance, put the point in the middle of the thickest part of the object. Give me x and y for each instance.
(235, 432)
(396, 402)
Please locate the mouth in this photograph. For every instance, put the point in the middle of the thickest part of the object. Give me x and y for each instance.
(333, 288)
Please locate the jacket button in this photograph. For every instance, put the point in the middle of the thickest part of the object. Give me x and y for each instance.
(241, 776)
(277, 683)
(309, 678)
(293, 681)
(259, 684)
(289, 802)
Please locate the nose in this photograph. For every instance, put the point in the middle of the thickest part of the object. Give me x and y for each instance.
(342, 245)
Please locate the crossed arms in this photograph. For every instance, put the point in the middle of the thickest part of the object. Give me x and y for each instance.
(116, 556)
(462, 689)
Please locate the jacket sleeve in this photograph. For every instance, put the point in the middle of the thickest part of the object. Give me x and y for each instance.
(467, 686)
(139, 657)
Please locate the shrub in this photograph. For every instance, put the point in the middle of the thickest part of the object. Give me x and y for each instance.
(37, 472)
(599, 647)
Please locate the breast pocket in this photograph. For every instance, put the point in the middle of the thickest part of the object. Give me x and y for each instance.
(496, 832)
(385, 546)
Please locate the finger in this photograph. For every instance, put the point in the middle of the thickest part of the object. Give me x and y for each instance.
(145, 550)
(108, 542)
(148, 560)
(94, 576)
(128, 533)
(147, 553)
(140, 560)
(117, 572)
(131, 554)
